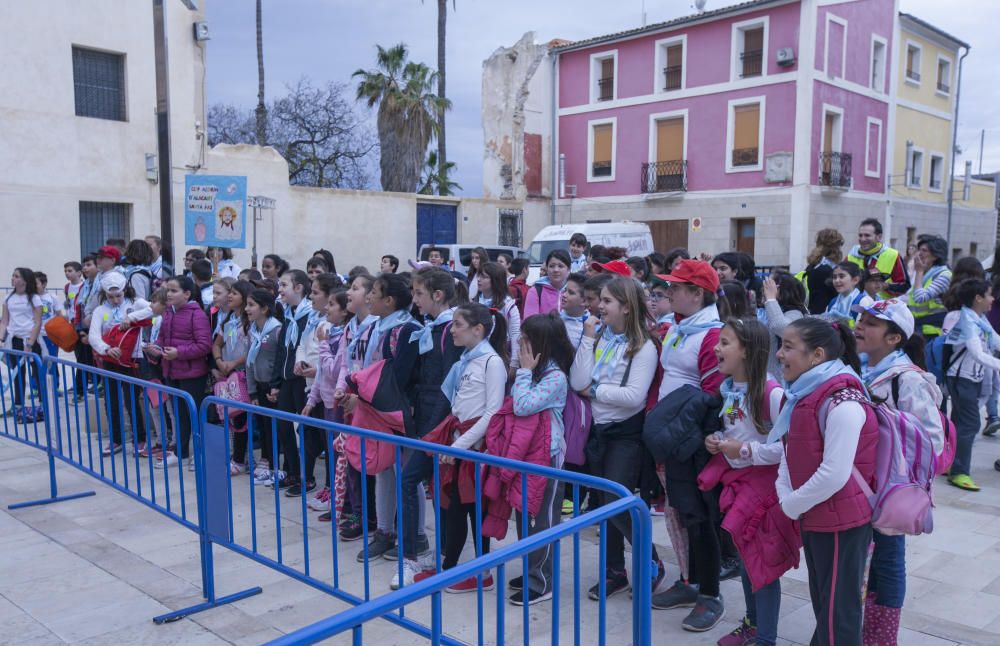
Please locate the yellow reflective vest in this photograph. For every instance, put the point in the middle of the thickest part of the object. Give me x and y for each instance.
(932, 307)
(884, 263)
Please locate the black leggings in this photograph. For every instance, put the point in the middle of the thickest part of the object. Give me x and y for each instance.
(704, 557)
(291, 399)
(130, 399)
(314, 440)
(27, 367)
(456, 529)
(196, 388)
(262, 425)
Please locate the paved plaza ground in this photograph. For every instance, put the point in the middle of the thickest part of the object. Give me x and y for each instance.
(96, 570)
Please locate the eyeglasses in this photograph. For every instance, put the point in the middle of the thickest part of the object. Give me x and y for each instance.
(655, 296)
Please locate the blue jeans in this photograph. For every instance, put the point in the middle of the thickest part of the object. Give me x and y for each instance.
(965, 415)
(762, 609)
(991, 401)
(418, 468)
(887, 576)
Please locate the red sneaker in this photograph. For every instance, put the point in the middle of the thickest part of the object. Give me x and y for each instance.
(470, 585)
(424, 574)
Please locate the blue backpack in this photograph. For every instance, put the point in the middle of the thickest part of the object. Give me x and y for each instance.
(939, 358)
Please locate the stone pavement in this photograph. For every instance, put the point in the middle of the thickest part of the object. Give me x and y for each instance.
(95, 570)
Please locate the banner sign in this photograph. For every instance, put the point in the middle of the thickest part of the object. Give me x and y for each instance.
(215, 209)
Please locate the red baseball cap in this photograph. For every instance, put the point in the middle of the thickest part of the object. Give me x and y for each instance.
(694, 272)
(619, 267)
(108, 251)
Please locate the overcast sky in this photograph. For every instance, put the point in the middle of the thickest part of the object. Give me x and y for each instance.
(330, 39)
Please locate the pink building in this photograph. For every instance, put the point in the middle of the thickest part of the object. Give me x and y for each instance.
(748, 127)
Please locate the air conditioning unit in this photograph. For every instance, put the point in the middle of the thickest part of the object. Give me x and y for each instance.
(571, 190)
(201, 32)
(785, 57)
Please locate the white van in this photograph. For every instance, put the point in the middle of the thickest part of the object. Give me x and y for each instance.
(633, 236)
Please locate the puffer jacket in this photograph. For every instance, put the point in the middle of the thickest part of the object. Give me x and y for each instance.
(186, 329)
(526, 439)
(768, 541)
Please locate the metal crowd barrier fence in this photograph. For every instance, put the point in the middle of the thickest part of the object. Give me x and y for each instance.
(68, 414)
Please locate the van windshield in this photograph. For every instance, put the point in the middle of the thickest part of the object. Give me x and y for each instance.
(539, 250)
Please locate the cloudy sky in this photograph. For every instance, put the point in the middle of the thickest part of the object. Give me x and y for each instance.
(329, 39)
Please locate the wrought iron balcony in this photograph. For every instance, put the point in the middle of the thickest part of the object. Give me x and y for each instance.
(664, 176)
(601, 169)
(746, 157)
(752, 62)
(913, 75)
(835, 170)
(672, 76)
(606, 89)
(943, 87)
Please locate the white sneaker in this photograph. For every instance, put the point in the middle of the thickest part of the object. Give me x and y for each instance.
(261, 476)
(190, 464)
(411, 569)
(168, 460)
(321, 501)
(276, 478)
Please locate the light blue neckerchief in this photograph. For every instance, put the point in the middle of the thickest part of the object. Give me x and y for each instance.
(357, 330)
(293, 316)
(894, 358)
(315, 318)
(220, 323)
(451, 382)
(666, 318)
(387, 324)
(488, 302)
(802, 387)
(154, 331)
(608, 358)
(257, 338)
(425, 337)
(230, 339)
(156, 267)
(733, 398)
(704, 319)
(841, 304)
(566, 317)
(969, 324)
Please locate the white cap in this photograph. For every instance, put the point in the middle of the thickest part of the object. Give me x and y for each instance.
(891, 310)
(113, 280)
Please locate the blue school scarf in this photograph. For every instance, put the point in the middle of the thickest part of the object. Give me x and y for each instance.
(666, 318)
(488, 302)
(608, 358)
(841, 304)
(969, 324)
(454, 379)
(357, 330)
(387, 324)
(732, 399)
(425, 337)
(704, 319)
(315, 318)
(292, 317)
(869, 374)
(257, 337)
(802, 387)
(566, 317)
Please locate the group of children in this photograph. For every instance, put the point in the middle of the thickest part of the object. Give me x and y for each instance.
(757, 425)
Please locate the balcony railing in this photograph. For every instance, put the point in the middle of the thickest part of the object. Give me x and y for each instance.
(606, 89)
(601, 169)
(913, 75)
(664, 176)
(835, 170)
(746, 156)
(672, 77)
(752, 62)
(943, 87)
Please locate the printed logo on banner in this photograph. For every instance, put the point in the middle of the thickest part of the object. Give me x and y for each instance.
(215, 210)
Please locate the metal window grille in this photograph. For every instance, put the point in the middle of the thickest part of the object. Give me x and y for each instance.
(100, 221)
(99, 84)
(510, 227)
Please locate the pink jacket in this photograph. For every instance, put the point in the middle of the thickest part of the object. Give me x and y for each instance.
(325, 384)
(768, 541)
(188, 330)
(541, 298)
(527, 439)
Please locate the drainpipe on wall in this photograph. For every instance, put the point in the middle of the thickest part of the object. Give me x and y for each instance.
(163, 129)
(553, 140)
(954, 145)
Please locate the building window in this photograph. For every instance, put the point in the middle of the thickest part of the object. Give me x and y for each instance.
(745, 135)
(667, 167)
(749, 46)
(873, 148)
(100, 221)
(99, 84)
(669, 68)
(510, 227)
(943, 75)
(878, 64)
(913, 53)
(914, 176)
(836, 46)
(601, 151)
(937, 173)
(603, 73)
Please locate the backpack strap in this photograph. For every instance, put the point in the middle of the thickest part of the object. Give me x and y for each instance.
(444, 335)
(538, 291)
(628, 371)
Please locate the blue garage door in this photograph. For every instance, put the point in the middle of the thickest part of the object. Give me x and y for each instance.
(437, 224)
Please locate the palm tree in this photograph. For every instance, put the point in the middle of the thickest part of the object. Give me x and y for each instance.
(407, 114)
(261, 111)
(442, 156)
(436, 175)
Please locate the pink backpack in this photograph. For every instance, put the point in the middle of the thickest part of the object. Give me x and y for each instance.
(947, 455)
(905, 467)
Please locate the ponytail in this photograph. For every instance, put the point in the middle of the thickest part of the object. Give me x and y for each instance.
(493, 322)
(833, 334)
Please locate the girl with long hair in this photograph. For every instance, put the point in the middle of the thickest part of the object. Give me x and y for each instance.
(20, 328)
(264, 377)
(846, 281)
(543, 296)
(820, 262)
(477, 259)
(230, 346)
(492, 292)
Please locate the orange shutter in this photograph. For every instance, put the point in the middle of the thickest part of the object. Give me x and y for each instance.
(753, 39)
(602, 143)
(669, 140)
(608, 68)
(674, 55)
(747, 126)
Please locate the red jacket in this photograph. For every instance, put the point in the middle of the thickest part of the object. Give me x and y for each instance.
(463, 477)
(187, 330)
(849, 507)
(767, 539)
(526, 439)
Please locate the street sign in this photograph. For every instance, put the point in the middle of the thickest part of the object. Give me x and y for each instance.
(260, 202)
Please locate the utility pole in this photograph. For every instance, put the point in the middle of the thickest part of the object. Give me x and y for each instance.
(163, 129)
(982, 140)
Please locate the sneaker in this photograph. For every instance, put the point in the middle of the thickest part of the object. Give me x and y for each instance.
(410, 570)
(139, 449)
(518, 598)
(614, 583)
(992, 426)
(517, 583)
(295, 490)
(235, 468)
(261, 470)
(656, 509)
(262, 476)
(679, 595)
(351, 530)
(377, 547)
(744, 635)
(190, 464)
(567, 508)
(321, 501)
(285, 482)
(963, 481)
(279, 477)
(147, 450)
(166, 460)
(423, 547)
(111, 449)
(996, 465)
(730, 568)
(707, 614)
(325, 517)
(470, 585)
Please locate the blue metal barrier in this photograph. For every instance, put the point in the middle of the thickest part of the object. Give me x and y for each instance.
(287, 549)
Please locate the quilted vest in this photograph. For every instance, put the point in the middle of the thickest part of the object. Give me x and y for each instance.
(848, 508)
